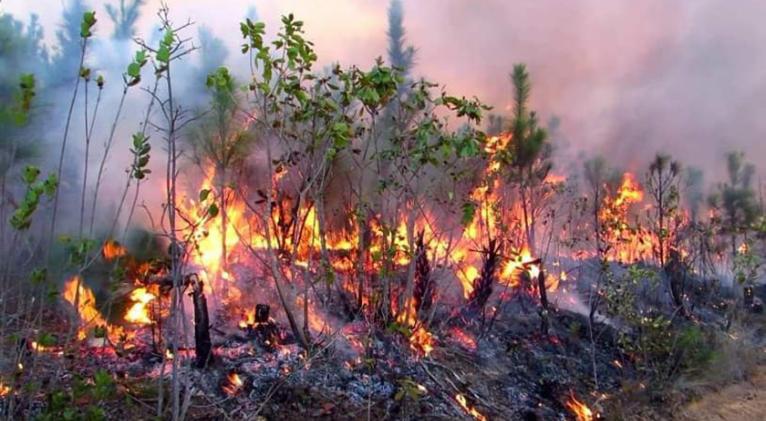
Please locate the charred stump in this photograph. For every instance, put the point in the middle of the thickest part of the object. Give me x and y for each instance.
(424, 290)
(203, 345)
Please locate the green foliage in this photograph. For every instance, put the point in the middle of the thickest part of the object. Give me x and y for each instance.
(659, 346)
(165, 49)
(746, 265)
(83, 401)
(78, 250)
(141, 154)
(736, 198)
(87, 24)
(132, 75)
(21, 219)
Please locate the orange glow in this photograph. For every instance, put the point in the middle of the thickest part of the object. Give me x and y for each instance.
(4, 389)
(113, 250)
(421, 341)
(86, 309)
(579, 409)
(463, 338)
(470, 410)
(138, 312)
(233, 384)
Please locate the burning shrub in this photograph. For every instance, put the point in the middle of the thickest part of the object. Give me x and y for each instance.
(482, 286)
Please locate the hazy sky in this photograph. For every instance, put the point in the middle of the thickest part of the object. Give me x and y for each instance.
(627, 77)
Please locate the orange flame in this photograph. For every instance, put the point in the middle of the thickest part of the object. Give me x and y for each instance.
(138, 313)
(233, 384)
(579, 409)
(113, 250)
(421, 341)
(86, 309)
(460, 398)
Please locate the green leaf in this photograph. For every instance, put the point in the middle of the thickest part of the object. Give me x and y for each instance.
(468, 213)
(203, 194)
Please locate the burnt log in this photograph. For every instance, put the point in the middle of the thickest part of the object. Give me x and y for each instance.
(203, 345)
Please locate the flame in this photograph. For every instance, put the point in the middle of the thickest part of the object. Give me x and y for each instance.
(248, 319)
(138, 312)
(86, 309)
(421, 341)
(579, 409)
(630, 191)
(233, 383)
(112, 250)
(4, 389)
(460, 398)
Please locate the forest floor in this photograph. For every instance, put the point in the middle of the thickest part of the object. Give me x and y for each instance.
(742, 401)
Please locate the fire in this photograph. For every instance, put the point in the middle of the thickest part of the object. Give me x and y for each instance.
(460, 398)
(4, 389)
(233, 383)
(421, 341)
(248, 319)
(579, 409)
(628, 243)
(113, 250)
(630, 191)
(138, 313)
(85, 305)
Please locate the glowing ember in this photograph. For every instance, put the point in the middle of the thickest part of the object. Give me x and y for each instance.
(579, 409)
(4, 389)
(233, 384)
(463, 338)
(460, 398)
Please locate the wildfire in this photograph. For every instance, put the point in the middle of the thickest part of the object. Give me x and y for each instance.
(85, 305)
(630, 191)
(421, 341)
(233, 384)
(113, 250)
(460, 398)
(138, 313)
(248, 319)
(579, 409)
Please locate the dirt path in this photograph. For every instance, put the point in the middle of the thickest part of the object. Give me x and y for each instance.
(739, 402)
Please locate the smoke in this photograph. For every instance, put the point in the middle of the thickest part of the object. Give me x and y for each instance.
(626, 78)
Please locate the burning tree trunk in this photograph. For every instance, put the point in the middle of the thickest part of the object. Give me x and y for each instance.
(424, 291)
(482, 286)
(202, 342)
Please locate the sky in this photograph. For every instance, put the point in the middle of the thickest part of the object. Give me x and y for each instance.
(627, 78)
